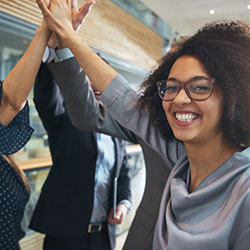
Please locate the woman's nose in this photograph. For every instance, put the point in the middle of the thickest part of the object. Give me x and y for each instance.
(182, 97)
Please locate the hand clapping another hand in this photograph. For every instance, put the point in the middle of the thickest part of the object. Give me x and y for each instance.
(57, 15)
(60, 14)
(59, 20)
(78, 15)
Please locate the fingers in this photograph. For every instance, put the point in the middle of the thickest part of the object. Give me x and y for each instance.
(69, 3)
(79, 16)
(110, 218)
(90, 3)
(117, 219)
(53, 41)
(85, 9)
(43, 7)
(47, 2)
(74, 4)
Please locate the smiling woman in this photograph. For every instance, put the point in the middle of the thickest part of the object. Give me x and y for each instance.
(205, 195)
(204, 104)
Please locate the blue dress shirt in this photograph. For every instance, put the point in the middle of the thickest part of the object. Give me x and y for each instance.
(103, 177)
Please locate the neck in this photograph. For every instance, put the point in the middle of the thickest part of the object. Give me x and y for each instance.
(205, 158)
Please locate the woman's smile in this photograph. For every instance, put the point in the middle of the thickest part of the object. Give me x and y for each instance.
(184, 118)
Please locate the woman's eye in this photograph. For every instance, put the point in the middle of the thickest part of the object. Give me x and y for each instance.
(171, 88)
(199, 88)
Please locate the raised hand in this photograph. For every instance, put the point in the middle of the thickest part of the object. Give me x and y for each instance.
(80, 15)
(57, 15)
(58, 18)
(47, 2)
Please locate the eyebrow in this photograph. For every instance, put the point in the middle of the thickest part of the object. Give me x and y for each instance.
(199, 77)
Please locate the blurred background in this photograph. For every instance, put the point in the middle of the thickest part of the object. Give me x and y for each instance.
(132, 36)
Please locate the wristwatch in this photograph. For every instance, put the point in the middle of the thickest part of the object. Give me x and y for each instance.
(63, 54)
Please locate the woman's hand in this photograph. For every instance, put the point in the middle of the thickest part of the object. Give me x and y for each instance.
(59, 20)
(57, 16)
(78, 17)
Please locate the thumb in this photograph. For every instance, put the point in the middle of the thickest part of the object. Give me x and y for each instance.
(43, 7)
(74, 4)
(86, 8)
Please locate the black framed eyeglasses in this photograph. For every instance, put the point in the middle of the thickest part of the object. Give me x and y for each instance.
(198, 88)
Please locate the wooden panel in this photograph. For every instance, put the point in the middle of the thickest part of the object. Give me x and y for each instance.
(24, 9)
(34, 163)
(108, 28)
(32, 242)
(47, 161)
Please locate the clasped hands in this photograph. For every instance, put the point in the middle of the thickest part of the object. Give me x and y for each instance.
(63, 18)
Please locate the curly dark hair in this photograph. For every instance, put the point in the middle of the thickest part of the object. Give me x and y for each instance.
(224, 50)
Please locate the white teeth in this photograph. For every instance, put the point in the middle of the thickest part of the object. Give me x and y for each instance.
(185, 117)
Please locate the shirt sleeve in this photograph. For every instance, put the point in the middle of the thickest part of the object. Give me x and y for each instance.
(57, 55)
(127, 203)
(14, 136)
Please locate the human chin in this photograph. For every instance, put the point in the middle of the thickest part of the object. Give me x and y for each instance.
(183, 130)
(185, 135)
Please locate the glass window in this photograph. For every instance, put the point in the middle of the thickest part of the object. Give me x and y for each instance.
(140, 11)
(15, 37)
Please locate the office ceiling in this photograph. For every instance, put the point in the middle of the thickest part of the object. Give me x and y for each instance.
(187, 16)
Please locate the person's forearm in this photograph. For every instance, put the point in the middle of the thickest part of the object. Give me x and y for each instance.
(99, 72)
(59, 20)
(83, 109)
(19, 81)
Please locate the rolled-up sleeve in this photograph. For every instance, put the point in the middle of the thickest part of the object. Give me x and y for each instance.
(14, 136)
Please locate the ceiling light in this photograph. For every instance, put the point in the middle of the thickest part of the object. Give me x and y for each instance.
(248, 6)
(211, 12)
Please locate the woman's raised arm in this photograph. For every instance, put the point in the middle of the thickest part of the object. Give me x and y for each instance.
(19, 81)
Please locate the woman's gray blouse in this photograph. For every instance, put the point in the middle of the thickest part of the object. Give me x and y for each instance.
(215, 216)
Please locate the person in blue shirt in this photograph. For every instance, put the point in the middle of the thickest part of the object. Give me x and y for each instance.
(88, 179)
(87, 191)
